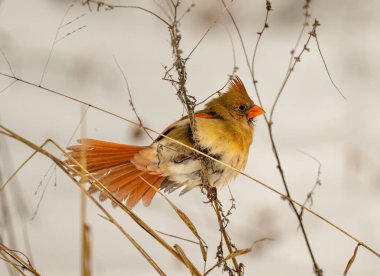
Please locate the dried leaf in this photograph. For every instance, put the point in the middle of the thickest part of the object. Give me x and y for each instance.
(263, 239)
(230, 256)
(191, 267)
(185, 219)
(352, 259)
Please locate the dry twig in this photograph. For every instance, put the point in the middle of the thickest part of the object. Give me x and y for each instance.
(16, 261)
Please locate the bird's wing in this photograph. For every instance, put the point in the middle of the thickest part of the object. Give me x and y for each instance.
(180, 130)
(204, 115)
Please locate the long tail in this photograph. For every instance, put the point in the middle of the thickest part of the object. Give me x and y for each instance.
(110, 163)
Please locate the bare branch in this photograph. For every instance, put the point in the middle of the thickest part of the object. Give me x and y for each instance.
(306, 14)
(268, 7)
(309, 197)
(55, 40)
(110, 6)
(7, 61)
(8, 86)
(327, 70)
(296, 60)
(209, 29)
(16, 260)
(131, 99)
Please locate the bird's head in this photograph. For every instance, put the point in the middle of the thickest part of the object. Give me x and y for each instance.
(235, 103)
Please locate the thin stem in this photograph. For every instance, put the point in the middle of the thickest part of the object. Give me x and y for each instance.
(225, 235)
(260, 33)
(8, 86)
(19, 260)
(110, 6)
(327, 69)
(225, 9)
(12, 265)
(189, 103)
(7, 61)
(54, 41)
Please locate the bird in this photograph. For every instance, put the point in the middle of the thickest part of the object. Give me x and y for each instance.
(224, 131)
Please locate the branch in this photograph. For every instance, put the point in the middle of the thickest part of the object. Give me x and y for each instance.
(100, 4)
(189, 102)
(19, 261)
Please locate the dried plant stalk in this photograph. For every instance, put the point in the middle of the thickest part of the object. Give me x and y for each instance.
(71, 171)
(16, 261)
(351, 260)
(185, 219)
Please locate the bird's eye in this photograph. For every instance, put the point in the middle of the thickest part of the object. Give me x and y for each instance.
(242, 107)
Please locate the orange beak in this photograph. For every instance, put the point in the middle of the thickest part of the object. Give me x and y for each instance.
(255, 111)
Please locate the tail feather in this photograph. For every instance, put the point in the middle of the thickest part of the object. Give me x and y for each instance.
(113, 180)
(134, 183)
(148, 196)
(101, 175)
(110, 163)
(124, 186)
(138, 192)
(105, 145)
(119, 184)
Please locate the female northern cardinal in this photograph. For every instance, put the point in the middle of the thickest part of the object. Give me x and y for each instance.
(224, 131)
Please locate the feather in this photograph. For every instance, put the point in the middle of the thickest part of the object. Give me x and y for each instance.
(237, 85)
(110, 164)
(210, 115)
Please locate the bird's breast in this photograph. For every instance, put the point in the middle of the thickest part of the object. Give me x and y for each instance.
(229, 142)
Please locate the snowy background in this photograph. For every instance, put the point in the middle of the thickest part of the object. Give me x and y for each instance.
(311, 117)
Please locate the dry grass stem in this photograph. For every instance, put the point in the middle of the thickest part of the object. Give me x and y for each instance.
(225, 9)
(8, 86)
(351, 260)
(131, 99)
(12, 266)
(268, 7)
(269, 122)
(186, 220)
(16, 261)
(230, 256)
(100, 4)
(186, 261)
(309, 196)
(71, 171)
(85, 228)
(109, 218)
(55, 41)
(7, 61)
(67, 169)
(296, 60)
(189, 103)
(327, 69)
(233, 72)
(307, 15)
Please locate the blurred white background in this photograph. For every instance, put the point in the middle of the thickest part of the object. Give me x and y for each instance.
(311, 117)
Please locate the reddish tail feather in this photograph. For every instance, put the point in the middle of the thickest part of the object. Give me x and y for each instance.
(110, 163)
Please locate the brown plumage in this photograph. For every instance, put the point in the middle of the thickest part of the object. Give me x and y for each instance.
(224, 131)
